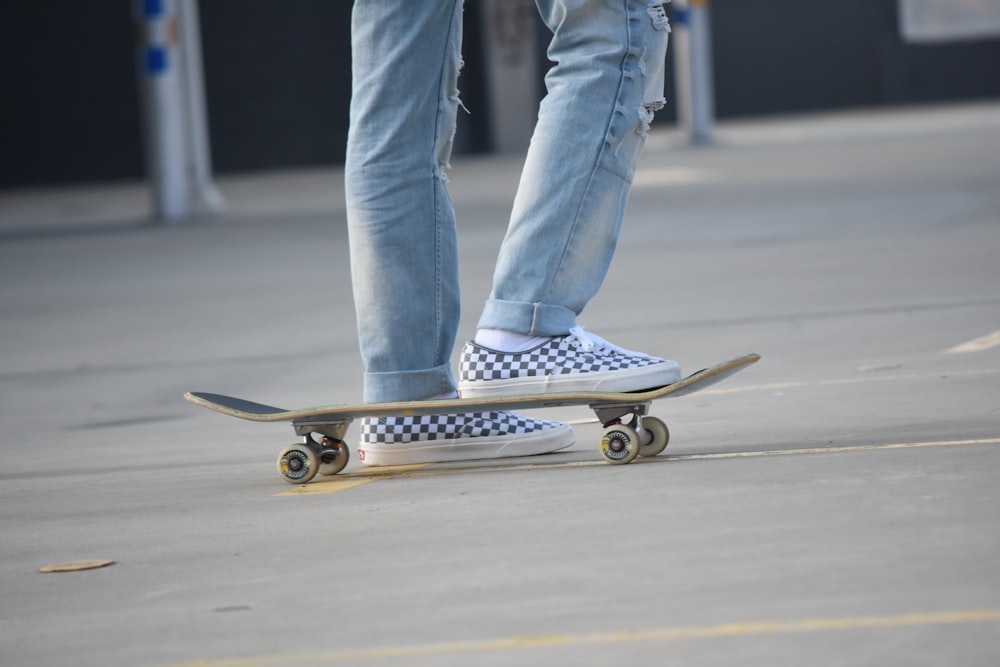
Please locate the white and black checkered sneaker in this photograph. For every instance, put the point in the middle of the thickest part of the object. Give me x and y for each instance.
(579, 361)
(457, 437)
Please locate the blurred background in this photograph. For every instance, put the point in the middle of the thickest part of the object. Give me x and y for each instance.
(277, 75)
(835, 504)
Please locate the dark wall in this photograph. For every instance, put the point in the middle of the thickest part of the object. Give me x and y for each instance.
(278, 81)
(278, 78)
(790, 55)
(68, 94)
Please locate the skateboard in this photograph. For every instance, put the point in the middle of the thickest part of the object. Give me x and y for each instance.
(628, 430)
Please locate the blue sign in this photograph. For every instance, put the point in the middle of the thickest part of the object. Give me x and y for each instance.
(156, 60)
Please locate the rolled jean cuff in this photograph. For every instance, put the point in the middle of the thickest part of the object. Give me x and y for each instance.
(408, 385)
(536, 319)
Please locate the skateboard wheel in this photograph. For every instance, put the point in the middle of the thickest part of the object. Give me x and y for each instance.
(619, 444)
(333, 457)
(298, 463)
(659, 436)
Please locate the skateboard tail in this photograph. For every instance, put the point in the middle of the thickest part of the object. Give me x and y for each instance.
(232, 406)
(709, 376)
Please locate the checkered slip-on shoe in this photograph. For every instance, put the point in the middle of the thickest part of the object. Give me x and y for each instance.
(387, 441)
(579, 361)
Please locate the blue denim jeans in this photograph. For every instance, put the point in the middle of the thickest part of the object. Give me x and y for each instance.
(601, 94)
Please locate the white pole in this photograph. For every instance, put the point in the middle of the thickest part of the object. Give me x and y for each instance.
(160, 76)
(693, 69)
(199, 150)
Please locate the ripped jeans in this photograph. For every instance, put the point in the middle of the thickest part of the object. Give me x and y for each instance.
(607, 81)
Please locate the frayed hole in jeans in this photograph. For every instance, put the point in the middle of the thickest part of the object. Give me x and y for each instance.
(658, 15)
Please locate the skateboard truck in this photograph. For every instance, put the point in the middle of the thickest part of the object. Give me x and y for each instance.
(641, 436)
(299, 463)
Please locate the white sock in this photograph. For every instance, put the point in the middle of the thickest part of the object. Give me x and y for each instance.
(508, 341)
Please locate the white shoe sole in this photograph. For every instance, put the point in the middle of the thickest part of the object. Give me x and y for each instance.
(467, 449)
(631, 379)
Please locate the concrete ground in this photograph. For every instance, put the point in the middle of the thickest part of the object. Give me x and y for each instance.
(836, 504)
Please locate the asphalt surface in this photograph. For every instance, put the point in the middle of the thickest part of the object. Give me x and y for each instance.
(835, 504)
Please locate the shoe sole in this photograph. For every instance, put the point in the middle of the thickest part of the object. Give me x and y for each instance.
(631, 379)
(467, 449)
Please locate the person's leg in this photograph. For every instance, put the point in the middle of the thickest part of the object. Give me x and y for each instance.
(606, 83)
(406, 59)
(602, 92)
(402, 238)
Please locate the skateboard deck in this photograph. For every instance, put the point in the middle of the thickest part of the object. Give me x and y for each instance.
(621, 442)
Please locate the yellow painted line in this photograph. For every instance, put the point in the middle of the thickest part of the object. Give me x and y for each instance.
(746, 629)
(340, 483)
(778, 386)
(833, 450)
(325, 486)
(977, 345)
(651, 176)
